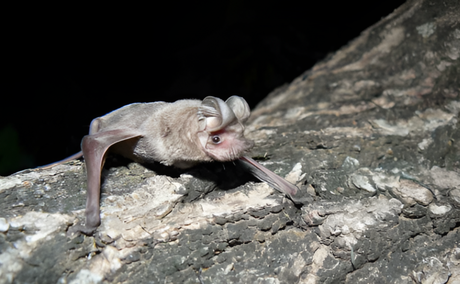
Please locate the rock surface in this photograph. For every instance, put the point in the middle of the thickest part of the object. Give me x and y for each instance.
(370, 136)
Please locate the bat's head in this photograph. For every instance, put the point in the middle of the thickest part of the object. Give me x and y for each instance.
(221, 133)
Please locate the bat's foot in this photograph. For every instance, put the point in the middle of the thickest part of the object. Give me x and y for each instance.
(80, 229)
(302, 199)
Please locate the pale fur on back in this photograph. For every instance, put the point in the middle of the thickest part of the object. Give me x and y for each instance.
(168, 132)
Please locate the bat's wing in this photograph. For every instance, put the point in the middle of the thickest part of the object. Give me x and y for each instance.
(264, 174)
(94, 147)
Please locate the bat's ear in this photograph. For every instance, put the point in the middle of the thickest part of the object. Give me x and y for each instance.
(240, 107)
(217, 113)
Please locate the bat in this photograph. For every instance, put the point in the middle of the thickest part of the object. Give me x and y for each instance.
(180, 134)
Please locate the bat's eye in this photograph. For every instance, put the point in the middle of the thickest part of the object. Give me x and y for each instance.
(216, 139)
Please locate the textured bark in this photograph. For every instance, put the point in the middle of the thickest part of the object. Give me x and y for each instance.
(371, 137)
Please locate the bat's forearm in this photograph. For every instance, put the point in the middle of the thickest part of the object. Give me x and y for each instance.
(270, 177)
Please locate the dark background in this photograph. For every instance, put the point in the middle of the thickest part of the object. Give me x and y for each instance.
(66, 65)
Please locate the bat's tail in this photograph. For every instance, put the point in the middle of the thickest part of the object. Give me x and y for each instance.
(70, 158)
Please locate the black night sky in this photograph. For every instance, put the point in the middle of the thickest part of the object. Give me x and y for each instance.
(68, 64)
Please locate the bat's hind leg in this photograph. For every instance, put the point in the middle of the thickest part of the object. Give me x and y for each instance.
(94, 148)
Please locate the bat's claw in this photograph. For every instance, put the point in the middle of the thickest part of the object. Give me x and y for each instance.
(302, 198)
(80, 229)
